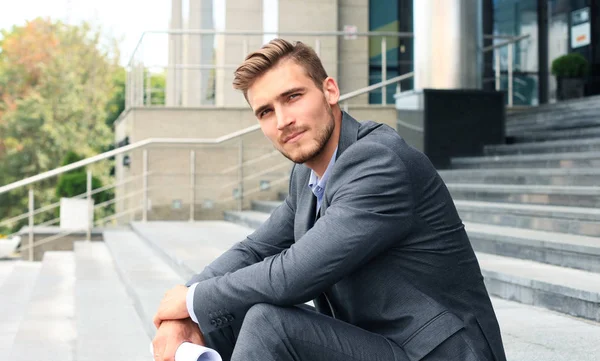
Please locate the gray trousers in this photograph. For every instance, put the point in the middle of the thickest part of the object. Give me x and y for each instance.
(272, 333)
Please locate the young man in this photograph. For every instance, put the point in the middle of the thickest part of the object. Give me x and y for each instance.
(368, 231)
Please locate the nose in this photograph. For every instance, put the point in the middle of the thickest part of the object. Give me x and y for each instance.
(284, 119)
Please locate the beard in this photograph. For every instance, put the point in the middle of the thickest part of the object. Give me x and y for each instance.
(321, 139)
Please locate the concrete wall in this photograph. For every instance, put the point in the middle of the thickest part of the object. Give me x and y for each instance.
(353, 69)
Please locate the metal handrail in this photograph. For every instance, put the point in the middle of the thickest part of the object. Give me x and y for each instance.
(375, 86)
(504, 43)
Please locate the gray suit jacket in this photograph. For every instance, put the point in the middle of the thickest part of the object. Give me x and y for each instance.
(388, 252)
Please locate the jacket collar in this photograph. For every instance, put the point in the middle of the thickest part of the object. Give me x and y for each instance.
(348, 133)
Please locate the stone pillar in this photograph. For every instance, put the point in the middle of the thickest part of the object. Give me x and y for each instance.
(313, 15)
(448, 38)
(353, 69)
(199, 51)
(174, 76)
(232, 49)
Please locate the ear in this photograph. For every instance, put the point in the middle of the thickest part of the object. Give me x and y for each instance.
(331, 90)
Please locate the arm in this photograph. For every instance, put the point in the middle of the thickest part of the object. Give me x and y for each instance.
(371, 208)
(272, 237)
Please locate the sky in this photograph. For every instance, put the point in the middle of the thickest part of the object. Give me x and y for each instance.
(124, 19)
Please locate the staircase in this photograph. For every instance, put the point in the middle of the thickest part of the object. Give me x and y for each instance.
(531, 209)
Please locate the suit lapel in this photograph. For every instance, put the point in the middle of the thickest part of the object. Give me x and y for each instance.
(306, 204)
(348, 136)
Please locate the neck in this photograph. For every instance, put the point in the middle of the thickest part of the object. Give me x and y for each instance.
(319, 163)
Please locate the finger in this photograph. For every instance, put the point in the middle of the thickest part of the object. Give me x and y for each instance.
(170, 349)
(158, 347)
(157, 321)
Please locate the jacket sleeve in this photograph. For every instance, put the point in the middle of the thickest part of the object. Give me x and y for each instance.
(272, 237)
(370, 208)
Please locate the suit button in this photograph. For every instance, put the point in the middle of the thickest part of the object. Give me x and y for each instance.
(213, 322)
(230, 318)
(224, 319)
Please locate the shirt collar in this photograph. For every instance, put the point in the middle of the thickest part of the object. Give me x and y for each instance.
(314, 179)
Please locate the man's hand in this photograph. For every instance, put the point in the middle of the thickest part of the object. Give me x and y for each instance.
(171, 334)
(173, 306)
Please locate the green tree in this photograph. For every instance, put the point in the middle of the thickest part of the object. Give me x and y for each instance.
(56, 83)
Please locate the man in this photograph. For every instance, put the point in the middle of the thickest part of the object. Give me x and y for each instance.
(368, 231)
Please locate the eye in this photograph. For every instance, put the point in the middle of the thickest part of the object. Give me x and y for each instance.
(264, 112)
(293, 96)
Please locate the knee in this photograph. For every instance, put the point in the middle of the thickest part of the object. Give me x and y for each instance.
(262, 314)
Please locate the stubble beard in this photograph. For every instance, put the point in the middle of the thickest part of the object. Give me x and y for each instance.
(321, 140)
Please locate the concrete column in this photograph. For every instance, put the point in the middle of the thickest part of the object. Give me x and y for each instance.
(313, 15)
(448, 38)
(199, 51)
(353, 68)
(174, 76)
(232, 49)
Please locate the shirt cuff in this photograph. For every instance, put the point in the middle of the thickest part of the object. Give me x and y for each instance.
(189, 301)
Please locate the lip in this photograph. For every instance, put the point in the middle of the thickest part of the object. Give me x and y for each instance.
(292, 138)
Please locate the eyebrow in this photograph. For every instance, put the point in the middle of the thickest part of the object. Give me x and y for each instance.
(285, 94)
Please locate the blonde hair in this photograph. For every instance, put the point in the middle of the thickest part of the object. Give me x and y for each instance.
(267, 57)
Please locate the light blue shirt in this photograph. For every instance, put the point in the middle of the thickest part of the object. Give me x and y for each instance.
(316, 185)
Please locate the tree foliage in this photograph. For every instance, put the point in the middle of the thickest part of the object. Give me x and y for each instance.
(57, 82)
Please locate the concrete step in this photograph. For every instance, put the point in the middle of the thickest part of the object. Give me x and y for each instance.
(568, 196)
(529, 161)
(189, 247)
(6, 268)
(566, 250)
(532, 333)
(570, 220)
(145, 276)
(102, 304)
(265, 206)
(570, 291)
(47, 331)
(553, 146)
(15, 293)
(543, 135)
(545, 110)
(524, 176)
(251, 219)
(589, 118)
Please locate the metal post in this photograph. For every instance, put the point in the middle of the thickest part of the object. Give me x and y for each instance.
(318, 46)
(192, 184)
(510, 74)
(244, 48)
(127, 88)
(31, 209)
(241, 162)
(497, 67)
(148, 97)
(141, 83)
(383, 69)
(90, 206)
(145, 187)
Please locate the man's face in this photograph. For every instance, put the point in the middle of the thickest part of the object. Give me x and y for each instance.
(293, 113)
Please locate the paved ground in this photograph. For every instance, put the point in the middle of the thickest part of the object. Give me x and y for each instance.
(536, 334)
